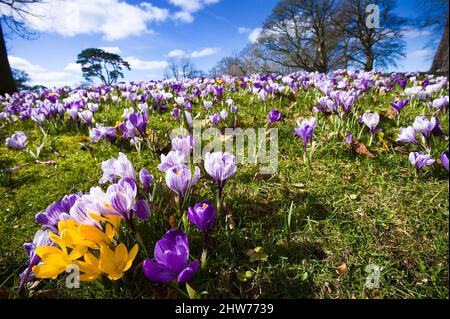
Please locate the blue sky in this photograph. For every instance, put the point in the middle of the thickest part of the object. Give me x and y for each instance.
(148, 34)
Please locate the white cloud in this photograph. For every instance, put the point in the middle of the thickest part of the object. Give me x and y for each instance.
(203, 52)
(254, 35)
(243, 30)
(192, 5)
(114, 19)
(184, 16)
(70, 75)
(415, 33)
(188, 7)
(138, 64)
(419, 54)
(176, 53)
(115, 50)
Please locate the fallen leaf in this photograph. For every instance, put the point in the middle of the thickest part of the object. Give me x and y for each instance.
(171, 221)
(361, 149)
(341, 269)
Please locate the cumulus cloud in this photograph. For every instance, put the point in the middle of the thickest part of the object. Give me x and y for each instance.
(243, 30)
(138, 64)
(178, 53)
(188, 7)
(415, 33)
(114, 19)
(70, 75)
(204, 52)
(254, 35)
(115, 50)
(425, 53)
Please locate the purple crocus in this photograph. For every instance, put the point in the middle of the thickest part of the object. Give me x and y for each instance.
(172, 159)
(425, 126)
(146, 179)
(117, 167)
(172, 259)
(180, 179)
(274, 116)
(444, 159)
(17, 140)
(420, 159)
(220, 166)
(40, 239)
(100, 132)
(305, 130)
(183, 144)
(215, 118)
(348, 138)
(52, 215)
(371, 120)
(202, 215)
(86, 116)
(440, 102)
(399, 105)
(407, 135)
(207, 104)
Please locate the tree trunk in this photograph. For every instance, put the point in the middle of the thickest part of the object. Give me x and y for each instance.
(369, 61)
(7, 84)
(440, 61)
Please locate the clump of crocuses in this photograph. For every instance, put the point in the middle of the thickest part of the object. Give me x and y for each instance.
(420, 159)
(171, 259)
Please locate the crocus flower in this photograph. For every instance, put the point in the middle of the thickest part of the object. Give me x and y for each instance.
(115, 263)
(183, 144)
(117, 167)
(172, 159)
(371, 120)
(180, 179)
(100, 132)
(274, 116)
(215, 118)
(440, 102)
(86, 116)
(423, 125)
(348, 138)
(233, 109)
(420, 159)
(444, 159)
(207, 104)
(399, 105)
(146, 179)
(40, 239)
(220, 166)
(17, 140)
(306, 130)
(52, 215)
(202, 215)
(407, 135)
(224, 115)
(172, 259)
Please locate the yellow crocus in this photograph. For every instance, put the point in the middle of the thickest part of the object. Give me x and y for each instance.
(89, 267)
(55, 260)
(115, 263)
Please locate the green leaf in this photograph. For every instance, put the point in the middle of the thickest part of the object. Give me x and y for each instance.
(191, 292)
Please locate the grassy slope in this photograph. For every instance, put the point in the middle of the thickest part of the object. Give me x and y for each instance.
(346, 209)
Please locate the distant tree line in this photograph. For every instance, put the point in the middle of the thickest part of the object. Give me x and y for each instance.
(325, 35)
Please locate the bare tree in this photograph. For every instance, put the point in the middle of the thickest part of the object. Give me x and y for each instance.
(369, 44)
(182, 68)
(435, 17)
(300, 34)
(12, 15)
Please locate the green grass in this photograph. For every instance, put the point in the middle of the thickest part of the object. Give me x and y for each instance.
(345, 209)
